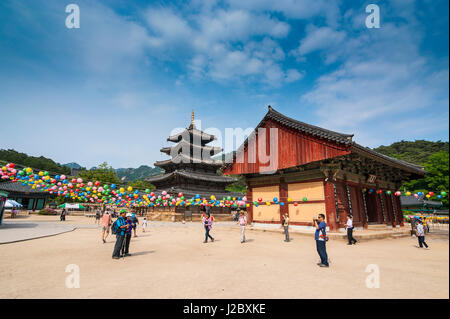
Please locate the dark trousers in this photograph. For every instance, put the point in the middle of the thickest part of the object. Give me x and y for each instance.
(126, 245)
(118, 245)
(286, 233)
(422, 241)
(207, 234)
(322, 250)
(351, 240)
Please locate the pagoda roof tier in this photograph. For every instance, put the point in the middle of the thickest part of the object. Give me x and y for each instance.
(181, 159)
(188, 193)
(192, 131)
(209, 177)
(183, 144)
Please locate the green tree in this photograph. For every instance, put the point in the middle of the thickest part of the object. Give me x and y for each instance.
(103, 174)
(140, 184)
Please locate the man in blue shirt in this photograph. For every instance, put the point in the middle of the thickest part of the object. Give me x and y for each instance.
(120, 235)
(321, 238)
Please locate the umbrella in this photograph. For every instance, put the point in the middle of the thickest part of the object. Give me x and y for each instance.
(71, 206)
(12, 203)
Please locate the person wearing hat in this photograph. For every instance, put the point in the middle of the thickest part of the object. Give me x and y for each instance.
(120, 233)
(242, 223)
(131, 225)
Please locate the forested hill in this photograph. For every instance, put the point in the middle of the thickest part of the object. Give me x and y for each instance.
(140, 173)
(41, 162)
(417, 152)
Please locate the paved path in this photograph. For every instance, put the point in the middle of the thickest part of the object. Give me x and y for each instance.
(12, 231)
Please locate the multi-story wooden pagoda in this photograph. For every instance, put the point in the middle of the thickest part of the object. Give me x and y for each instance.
(192, 169)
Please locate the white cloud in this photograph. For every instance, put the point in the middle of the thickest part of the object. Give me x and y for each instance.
(382, 79)
(319, 39)
(218, 43)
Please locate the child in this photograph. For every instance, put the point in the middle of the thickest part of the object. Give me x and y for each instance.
(144, 224)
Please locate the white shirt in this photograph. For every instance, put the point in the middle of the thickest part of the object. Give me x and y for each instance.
(349, 223)
(419, 229)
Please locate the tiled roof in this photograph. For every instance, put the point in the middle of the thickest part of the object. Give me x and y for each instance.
(307, 128)
(189, 193)
(192, 130)
(342, 138)
(184, 144)
(417, 169)
(181, 158)
(17, 187)
(193, 175)
(412, 201)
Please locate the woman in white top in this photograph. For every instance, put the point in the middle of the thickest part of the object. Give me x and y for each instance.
(242, 223)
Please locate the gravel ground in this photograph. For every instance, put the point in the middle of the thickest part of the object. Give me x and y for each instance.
(170, 260)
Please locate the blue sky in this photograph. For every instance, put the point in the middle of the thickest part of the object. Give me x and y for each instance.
(114, 89)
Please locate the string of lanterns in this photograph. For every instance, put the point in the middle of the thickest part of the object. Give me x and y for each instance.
(78, 190)
(439, 195)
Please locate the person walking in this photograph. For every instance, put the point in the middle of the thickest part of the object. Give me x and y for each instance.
(349, 227)
(98, 215)
(120, 228)
(285, 224)
(131, 225)
(420, 232)
(242, 223)
(106, 224)
(207, 223)
(63, 215)
(135, 223)
(144, 224)
(321, 238)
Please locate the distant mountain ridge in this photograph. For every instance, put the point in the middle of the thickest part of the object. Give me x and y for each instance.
(73, 165)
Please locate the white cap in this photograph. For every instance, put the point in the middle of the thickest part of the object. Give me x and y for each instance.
(128, 215)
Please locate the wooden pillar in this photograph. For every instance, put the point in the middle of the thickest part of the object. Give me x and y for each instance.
(330, 206)
(399, 210)
(283, 190)
(343, 208)
(380, 218)
(249, 196)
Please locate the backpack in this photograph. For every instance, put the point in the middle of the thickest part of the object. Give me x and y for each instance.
(115, 227)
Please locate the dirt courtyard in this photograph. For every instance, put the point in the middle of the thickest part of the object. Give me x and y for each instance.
(170, 260)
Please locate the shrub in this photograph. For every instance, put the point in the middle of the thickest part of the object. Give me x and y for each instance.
(47, 211)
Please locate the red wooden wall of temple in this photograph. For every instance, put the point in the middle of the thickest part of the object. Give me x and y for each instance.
(294, 148)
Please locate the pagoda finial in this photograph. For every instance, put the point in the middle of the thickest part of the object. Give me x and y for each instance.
(192, 118)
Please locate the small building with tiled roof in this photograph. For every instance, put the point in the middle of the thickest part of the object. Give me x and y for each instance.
(312, 170)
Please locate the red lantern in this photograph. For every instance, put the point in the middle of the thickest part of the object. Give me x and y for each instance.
(295, 203)
(260, 199)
